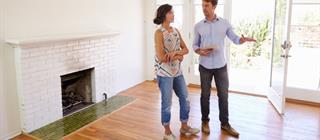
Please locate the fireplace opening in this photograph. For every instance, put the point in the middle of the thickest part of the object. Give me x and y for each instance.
(76, 91)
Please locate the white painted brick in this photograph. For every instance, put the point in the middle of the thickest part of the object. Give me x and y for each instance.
(66, 49)
(94, 41)
(98, 44)
(60, 45)
(84, 42)
(42, 67)
(72, 43)
(52, 51)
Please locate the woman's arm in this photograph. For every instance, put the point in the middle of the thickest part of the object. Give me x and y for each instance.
(178, 55)
(184, 49)
(159, 47)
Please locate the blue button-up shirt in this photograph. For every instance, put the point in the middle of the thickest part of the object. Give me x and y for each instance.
(208, 33)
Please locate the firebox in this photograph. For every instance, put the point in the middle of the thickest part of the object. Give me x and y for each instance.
(76, 91)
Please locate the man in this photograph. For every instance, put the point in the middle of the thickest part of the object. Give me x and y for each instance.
(209, 44)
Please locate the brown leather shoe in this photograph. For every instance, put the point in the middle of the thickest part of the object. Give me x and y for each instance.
(205, 127)
(227, 128)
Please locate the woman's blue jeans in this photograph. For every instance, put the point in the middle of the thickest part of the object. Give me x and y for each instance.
(178, 85)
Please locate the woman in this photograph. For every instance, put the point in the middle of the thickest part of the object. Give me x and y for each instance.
(170, 49)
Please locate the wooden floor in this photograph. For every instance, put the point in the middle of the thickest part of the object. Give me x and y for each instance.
(253, 117)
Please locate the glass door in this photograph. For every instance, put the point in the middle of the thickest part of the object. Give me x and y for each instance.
(304, 66)
(280, 54)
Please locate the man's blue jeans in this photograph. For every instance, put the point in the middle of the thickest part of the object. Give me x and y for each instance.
(167, 85)
(222, 84)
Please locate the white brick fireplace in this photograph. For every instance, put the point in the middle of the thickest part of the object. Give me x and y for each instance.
(39, 63)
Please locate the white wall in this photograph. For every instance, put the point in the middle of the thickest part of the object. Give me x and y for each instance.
(47, 17)
(77, 16)
(9, 111)
(150, 28)
(1, 70)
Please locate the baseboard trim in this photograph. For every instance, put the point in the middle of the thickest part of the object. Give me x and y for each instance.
(302, 102)
(151, 81)
(33, 137)
(11, 135)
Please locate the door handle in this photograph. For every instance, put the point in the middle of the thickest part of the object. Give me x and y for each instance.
(285, 56)
(286, 48)
(286, 45)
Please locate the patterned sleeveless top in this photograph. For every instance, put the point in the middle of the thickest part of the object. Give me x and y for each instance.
(171, 43)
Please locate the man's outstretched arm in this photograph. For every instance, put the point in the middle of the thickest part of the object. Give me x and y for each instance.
(235, 38)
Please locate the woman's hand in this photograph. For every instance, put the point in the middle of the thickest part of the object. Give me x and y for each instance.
(171, 55)
(179, 57)
(168, 57)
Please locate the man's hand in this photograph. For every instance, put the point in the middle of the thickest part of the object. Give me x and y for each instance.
(204, 52)
(246, 39)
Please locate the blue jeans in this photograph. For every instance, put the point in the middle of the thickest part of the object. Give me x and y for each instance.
(222, 84)
(167, 85)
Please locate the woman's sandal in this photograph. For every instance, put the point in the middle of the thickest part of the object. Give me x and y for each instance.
(169, 137)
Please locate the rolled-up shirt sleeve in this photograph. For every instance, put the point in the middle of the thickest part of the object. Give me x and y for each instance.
(196, 40)
(232, 35)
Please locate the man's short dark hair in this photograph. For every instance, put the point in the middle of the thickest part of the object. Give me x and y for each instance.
(213, 2)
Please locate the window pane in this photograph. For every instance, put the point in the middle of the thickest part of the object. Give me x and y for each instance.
(306, 15)
(304, 66)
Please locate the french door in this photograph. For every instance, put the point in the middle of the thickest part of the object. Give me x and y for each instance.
(280, 54)
(295, 75)
(303, 80)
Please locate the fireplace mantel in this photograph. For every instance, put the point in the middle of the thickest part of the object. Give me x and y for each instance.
(30, 41)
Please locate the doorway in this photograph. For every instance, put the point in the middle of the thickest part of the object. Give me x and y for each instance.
(249, 64)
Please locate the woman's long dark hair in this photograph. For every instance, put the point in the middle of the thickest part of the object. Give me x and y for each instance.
(161, 14)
